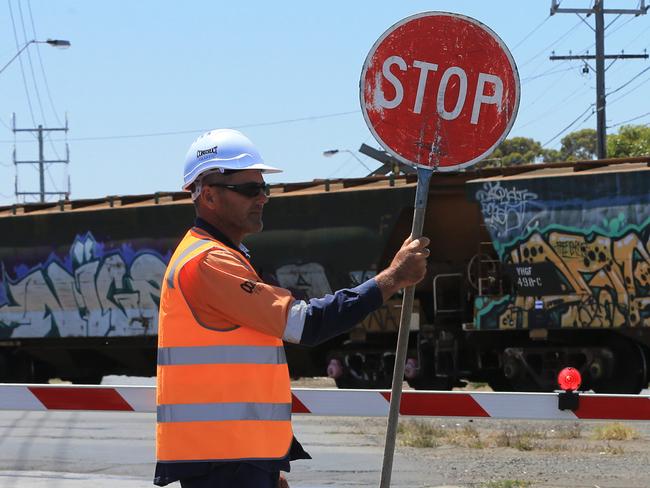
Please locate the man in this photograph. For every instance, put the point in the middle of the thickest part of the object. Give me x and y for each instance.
(224, 398)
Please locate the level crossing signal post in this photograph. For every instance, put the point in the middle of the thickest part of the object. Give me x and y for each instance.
(41, 162)
(598, 11)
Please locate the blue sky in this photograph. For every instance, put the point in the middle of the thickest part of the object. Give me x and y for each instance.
(286, 73)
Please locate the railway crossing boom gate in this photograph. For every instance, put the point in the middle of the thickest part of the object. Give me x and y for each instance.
(350, 403)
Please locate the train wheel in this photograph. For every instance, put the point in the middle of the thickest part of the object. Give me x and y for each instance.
(630, 373)
(364, 369)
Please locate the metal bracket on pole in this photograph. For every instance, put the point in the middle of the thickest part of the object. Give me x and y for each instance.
(421, 196)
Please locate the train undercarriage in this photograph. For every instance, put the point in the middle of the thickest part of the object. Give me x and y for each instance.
(441, 360)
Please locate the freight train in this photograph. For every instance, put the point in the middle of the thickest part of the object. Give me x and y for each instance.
(532, 268)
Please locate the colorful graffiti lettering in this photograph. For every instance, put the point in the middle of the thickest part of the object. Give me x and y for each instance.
(91, 292)
(599, 248)
(505, 209)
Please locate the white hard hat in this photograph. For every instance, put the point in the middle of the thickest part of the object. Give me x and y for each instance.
(222, 149)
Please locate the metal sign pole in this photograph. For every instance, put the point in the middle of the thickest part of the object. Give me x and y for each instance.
(421, 195)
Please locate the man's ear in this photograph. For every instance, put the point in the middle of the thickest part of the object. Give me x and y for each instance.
(209, 197)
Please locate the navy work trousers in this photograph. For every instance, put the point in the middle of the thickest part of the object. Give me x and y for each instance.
(234, 475)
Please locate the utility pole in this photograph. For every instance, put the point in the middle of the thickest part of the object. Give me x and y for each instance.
(599, 12)
(42, 162)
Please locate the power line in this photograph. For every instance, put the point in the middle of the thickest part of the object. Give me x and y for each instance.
(40, 60)
(547, 73)
(531, 33)
(20, 61)
(636, 38)
(629, 120)
(628, 82)
(552, 109)
(4, 123)
(31, 65)
(56, 189)
(340, 167)
(590, 107)
(620, 26)
(629, 91)
(614, 20)
(542, 51)
(194, 131)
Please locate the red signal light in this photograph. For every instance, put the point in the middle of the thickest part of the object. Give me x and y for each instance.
(569, 379)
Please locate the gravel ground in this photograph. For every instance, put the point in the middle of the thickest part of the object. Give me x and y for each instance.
(509, 454)
(540, 452)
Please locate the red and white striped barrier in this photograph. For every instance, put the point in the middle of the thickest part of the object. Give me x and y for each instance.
(352, 403)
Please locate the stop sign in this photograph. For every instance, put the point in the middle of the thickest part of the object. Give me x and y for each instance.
(439, 90)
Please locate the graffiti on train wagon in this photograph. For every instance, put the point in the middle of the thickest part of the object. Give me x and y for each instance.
(506, 209)
(90, 292)
(600, 268)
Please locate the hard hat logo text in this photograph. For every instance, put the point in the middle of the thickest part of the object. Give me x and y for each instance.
(212, 150)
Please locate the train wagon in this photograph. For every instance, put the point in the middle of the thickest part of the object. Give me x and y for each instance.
(80, 280)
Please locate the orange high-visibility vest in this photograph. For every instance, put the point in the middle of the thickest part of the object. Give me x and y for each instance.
(222, 394)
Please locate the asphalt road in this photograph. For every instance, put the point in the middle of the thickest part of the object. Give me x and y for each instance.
(101, 449)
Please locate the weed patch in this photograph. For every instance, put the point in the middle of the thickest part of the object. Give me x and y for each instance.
(507, 484)
(419, 434)
(615, 431)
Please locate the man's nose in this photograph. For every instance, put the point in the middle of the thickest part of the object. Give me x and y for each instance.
(262, 197)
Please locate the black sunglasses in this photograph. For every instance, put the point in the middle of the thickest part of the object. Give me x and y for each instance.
(250, 190)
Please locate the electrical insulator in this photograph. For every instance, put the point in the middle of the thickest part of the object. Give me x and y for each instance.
(569, 379)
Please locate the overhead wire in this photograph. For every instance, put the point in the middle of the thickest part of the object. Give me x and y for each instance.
(527, 36)
(619, 27)
(585, 22)
(623, 95)
(636, 38)
(20, 62)
(551, 109)
(341, 166)
(590, 107)
(627, 82)
(31, 64)
(47, 170)
(347, 160)
(629, 120)
(547, 73)
(542, 51)
(40, 60)
(543, 94)
(194, 131)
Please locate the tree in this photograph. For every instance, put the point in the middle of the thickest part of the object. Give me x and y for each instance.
(551, 156)
(631, 141)
(580, 144)
(518, 150)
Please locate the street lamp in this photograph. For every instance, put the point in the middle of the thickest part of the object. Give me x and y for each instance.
(332, 152)
(60, 43)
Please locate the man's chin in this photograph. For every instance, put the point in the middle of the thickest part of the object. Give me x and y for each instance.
(255, 226)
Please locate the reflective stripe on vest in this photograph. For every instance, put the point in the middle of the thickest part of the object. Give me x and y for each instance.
(173, 265)
(204, 412)
(222, 394)
(168, 356)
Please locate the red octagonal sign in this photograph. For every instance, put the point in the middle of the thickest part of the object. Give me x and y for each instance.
(439, 90)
